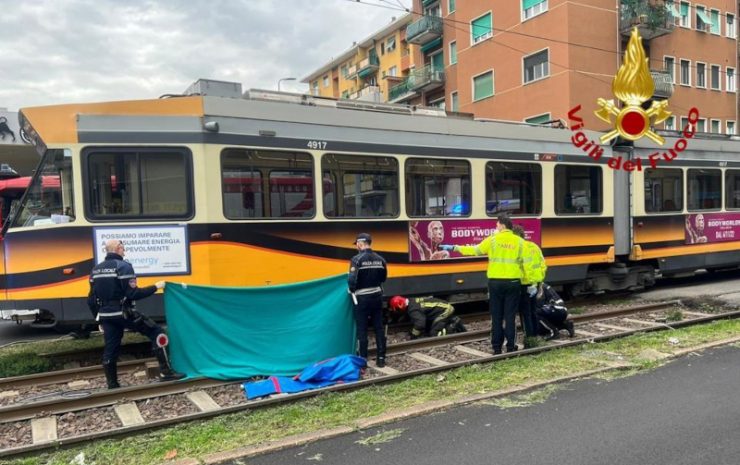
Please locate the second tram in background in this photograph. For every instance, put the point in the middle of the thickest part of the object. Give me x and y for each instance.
(268, 188)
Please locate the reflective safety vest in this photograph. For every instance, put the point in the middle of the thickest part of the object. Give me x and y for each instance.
(505, 251)
(534, 264)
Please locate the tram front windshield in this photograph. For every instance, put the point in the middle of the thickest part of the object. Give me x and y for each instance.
(49, 199)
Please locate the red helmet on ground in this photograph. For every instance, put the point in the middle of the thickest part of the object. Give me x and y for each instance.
(398, 303)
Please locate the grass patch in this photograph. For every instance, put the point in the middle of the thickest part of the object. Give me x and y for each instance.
(331, 410)
(674, 315)
(537, 396)
(26, 359)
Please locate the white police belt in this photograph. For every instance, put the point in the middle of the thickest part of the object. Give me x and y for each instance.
(368, 290)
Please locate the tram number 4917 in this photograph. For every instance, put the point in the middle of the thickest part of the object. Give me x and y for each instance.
(316, 144)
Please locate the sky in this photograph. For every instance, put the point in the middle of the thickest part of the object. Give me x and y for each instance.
(65, 51)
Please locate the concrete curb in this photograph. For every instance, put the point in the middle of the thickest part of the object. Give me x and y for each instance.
(418, 410)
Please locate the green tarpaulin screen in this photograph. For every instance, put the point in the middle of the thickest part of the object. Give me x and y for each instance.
(238, 332)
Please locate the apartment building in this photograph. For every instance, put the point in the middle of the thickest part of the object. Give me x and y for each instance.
(534, 60)
(369, 68)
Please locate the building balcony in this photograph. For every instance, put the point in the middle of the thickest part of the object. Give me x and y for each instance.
(400, 92)
(653, 18)
(663, 82)
(426, 79)
(424, 29)
(351, 72)
(368, 66)
(367, 94)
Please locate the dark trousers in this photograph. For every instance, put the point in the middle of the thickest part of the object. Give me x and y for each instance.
(503, 300)
(526, 312)
(370, 306)
(113, 333)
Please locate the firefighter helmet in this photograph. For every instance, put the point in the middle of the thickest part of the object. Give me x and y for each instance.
(398, 303)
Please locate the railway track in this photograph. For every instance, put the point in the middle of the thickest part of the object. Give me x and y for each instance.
(47, 410)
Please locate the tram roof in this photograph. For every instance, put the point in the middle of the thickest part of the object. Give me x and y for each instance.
(283, 115)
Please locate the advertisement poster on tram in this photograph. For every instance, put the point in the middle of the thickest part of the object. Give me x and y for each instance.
(703, 228)
(425, 237)
(152, 250)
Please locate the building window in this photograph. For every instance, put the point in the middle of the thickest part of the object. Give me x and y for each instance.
(536, 66)
(139, 182)
(730, 26)
(433, 10)
(704, 189)
(685, 73)
(715, 77)
(315, 88)
(701, 125)
(715, 126)
(578, 189)
(344, 72)
(450, 6)
(732, 189)
(359, 186)
(390, 44)
(481, 28)
(685, 16)
(684, 123)
(730, 85)
(663, 190)
(393, 71)
(670, 123)
(514, 188)
(437, 187)
(731, 128)
(326, 81)
(703, 23)
(453, 52)
(531, 8)
(483, 86)
(714, 18)
(540, 119)
(669, 63)
(454, 102)
(267, 184)
(701, 75)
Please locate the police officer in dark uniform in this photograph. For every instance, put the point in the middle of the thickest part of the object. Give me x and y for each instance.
(367, 272)
(113, 291)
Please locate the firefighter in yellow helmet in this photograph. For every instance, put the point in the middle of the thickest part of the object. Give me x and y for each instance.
(429, 316)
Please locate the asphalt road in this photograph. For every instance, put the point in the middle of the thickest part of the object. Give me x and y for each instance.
(685, 413)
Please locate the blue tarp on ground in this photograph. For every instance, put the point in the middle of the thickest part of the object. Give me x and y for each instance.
(239, 332)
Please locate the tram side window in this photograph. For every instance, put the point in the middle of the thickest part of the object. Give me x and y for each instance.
(49, 199)
(437, 187)
(732, 189)
(514, 188)
(704, 189)
(663, 190)
(578, 189)
(360, 186)
(267, 184)
(139, 182)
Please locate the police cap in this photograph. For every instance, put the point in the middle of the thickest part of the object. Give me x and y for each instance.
(365, 237)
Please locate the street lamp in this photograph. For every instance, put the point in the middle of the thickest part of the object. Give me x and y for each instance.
(284, 79)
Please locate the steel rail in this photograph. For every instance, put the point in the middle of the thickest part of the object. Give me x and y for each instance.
(351, 386)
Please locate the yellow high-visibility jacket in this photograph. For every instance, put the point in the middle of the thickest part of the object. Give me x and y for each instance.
(535, 267)
(505, 252)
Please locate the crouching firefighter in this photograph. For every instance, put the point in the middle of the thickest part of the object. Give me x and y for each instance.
(113, 291)
(429, 316)
(552, 314)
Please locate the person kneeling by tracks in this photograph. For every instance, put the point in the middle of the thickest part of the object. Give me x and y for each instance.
(552, 314)
(113, 291)
(429, 316)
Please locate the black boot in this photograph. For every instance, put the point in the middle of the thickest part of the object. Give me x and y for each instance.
(569, 327)
(166, 373)
(111, 374)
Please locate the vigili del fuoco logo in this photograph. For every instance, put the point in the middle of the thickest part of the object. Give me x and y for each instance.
(633, 85)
